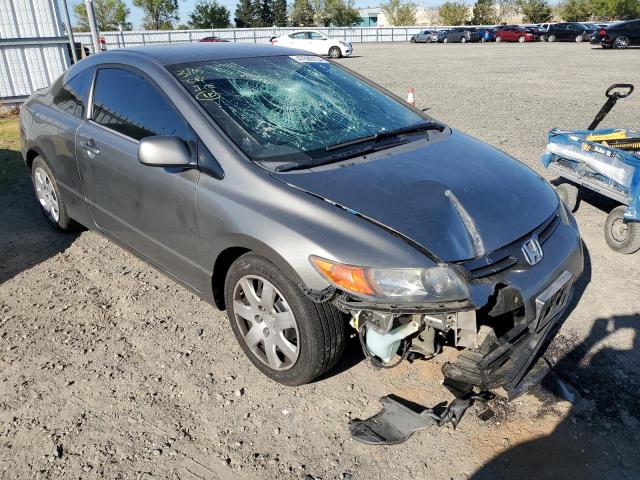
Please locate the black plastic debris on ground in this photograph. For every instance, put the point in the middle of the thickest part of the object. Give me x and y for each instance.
(396, 422)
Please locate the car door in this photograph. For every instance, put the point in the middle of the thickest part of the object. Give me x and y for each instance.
(319, 44)
(633, 32)
(150, 209)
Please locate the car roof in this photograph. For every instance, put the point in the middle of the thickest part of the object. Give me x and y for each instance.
(169, 54)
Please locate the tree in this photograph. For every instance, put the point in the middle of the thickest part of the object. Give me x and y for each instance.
(614, 9)
(209, 14)
(280, 13)
(302, 13)
(158, 14)
(266, 13)
(506, 9)
(454, 13)
(340, 13)
(535, 11)
(247, 14)
(575, 10)
(399, 12)
(109, 15)
(483, 13)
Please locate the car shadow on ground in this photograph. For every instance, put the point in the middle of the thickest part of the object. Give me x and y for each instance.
(598, 437)
(26, 238)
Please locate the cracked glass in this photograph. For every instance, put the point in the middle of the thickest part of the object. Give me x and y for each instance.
(283, 108)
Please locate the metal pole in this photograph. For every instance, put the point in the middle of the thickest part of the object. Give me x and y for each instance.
(74, 55)
(92, 25)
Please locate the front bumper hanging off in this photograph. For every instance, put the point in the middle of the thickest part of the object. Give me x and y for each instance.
(504, 361)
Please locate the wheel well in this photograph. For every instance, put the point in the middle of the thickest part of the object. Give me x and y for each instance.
(31, 156)
(220, 269)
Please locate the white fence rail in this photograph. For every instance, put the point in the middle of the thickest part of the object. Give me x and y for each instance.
(249, 35)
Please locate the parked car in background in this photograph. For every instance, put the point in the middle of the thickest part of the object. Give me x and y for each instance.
(569, 32)
(620, 35)
(543, 28)
(461, 35)
(425, 36)
(213, 39)
(487, 34)
(442, 34)
(314, 42)
(515, 34)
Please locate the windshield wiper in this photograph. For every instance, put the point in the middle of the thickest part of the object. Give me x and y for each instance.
(390, 133)
(338, 157)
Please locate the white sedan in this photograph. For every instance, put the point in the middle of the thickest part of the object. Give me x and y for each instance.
(314, 42)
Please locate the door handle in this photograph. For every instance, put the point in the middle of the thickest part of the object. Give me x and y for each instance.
(90, 147)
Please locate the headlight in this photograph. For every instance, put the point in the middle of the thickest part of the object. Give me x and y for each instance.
(435, 284)
(565, 214)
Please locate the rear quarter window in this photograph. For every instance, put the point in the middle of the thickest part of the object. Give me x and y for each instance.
(71, 97)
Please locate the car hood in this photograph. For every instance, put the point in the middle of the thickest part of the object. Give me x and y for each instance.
(404, 189)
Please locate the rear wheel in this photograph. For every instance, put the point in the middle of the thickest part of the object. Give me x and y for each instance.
(569, 195)
(621, 42)
(463, 40)
(287, 336)
(498, 39)
(622, 236)
(579, 38)
(48, 195)
(521, 39)
(334, 52)
(551, 38)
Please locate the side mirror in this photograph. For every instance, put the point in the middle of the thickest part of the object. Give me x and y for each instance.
(164, 151)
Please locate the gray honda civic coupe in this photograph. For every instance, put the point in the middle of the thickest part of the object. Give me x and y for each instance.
(308, 203)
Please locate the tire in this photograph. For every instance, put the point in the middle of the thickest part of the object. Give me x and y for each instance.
(569, 195)
(335, 52)
(621, 42)
(445, 40)
(521, 39)
(579, 38)
(498, 39)
(318, 332)
(48, 196)
(463, 40)
(621, 235)
(551, 38)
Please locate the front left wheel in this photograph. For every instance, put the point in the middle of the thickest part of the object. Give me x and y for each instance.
(286, 335)
(334, 52)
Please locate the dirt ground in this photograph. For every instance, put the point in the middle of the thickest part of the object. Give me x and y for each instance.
(110, 370)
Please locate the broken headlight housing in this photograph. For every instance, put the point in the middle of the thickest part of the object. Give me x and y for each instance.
(434, 284)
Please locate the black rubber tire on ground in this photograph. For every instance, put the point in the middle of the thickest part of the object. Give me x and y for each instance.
(321, 326)
(622, 236)
(521, 39)
(579, 38)
(64, 222)
(551, 38)
(569, 195)
(498, 39)
(621, 42)
(463, 40)
(334, 52)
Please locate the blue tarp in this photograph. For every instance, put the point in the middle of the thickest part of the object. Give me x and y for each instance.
(617, 166)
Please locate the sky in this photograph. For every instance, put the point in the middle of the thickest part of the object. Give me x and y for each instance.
(186, 6)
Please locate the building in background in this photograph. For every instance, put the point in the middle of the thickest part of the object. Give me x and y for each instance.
(34, 49)
(375, 17)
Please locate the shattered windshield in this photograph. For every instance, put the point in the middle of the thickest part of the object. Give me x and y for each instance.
(290, 107)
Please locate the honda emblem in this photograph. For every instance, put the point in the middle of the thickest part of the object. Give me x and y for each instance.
(532, 251)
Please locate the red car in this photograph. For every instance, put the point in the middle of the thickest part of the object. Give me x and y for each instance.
(515, 34)
(212, 39)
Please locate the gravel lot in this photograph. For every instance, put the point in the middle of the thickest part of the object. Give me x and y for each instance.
(110, 370)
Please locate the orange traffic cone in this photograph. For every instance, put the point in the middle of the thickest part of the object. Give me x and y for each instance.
(410, 97)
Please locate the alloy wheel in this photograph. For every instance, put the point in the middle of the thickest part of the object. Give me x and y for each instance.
(521, 39)
(46, 194)
(266, 322)
(621, 42)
